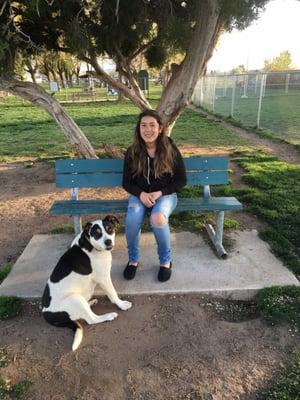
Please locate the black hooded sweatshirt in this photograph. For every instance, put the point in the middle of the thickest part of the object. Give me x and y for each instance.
(167, 183)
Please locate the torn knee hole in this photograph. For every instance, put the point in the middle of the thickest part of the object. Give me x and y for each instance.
(158, 220)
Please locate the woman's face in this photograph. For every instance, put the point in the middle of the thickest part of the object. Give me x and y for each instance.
(149, 129)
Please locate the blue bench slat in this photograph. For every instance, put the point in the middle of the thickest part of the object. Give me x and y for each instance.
(100, 179)
(207, 178)
(86, 166)
(206, 163)
(209, 204)
(89, 180)
(80, 207)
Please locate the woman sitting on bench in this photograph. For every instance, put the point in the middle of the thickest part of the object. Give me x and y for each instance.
(153, 173)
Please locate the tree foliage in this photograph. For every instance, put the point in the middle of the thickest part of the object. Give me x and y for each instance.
(280, 63)
(123, 30)
(118, 28)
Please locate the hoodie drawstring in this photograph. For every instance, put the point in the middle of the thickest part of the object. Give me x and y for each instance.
(148, 172)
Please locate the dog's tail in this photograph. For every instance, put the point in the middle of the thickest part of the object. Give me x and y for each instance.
(78, 336)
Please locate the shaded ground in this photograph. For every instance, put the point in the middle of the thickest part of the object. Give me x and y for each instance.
(165, 347)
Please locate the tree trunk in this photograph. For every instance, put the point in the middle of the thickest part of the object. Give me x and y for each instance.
(131, 92)
(180, 87)
(120, 94)
(33, 93)
(32, 74)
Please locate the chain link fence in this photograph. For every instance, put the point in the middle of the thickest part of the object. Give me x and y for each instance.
(265, 100)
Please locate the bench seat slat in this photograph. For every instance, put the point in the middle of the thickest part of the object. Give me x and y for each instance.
(79, 207)
(99, 179)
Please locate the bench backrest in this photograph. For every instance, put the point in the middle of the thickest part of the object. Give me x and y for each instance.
(210, 170)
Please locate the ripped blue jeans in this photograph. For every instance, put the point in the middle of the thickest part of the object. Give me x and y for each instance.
(134, 219)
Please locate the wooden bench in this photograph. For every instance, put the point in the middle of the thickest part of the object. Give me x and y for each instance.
(205, 171)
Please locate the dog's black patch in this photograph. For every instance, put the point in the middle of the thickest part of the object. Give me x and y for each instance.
(73, 260)
(46, 299)
(60, 319)
(84, 242)
(109, 224)
(96, 232)
(111, 219)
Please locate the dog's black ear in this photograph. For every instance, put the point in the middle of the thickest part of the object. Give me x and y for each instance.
(112, 219)
(87, 227)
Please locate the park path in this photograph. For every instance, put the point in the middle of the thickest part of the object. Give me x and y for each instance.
(283, 151)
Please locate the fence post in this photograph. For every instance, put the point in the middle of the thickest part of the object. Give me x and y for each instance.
(214, 93)
(201, 91)
(244, 95)
(287, 82)
(256, 83)
(262, 86)
(225, 86)
(233, 96)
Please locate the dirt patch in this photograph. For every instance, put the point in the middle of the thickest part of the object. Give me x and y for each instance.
(165, 347)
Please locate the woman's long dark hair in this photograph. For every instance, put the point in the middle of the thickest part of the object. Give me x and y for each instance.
(164, 158)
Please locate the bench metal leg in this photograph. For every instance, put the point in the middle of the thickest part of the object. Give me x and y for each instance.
(217, 236)
(76, 218)
(77, 224)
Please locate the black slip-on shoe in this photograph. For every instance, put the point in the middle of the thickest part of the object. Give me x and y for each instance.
(164, 273)
(129, 271)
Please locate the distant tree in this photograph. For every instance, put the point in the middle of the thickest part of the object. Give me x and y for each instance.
(280, 63)
(122, 30)
(241, 69)
(31, 66)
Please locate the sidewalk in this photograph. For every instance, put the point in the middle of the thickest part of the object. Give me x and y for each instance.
(250, 267)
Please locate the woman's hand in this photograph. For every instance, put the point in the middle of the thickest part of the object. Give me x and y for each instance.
(147, 200)
(155, 195)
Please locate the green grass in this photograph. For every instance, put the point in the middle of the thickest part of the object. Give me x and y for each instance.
(280, 113)
(4, 271)
(27, 131)
(3, 358)
(280, 305)
(67, 228)
(10, 307)
(7, 389)
(287, 385)
(16, 391)
(274, 196)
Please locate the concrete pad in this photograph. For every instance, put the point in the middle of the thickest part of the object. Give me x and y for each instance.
(250, 267)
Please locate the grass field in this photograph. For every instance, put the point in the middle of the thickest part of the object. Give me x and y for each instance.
(27, 131)
(280, 113)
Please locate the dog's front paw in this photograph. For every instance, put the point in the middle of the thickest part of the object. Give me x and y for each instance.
(110, 316)
(124, 305)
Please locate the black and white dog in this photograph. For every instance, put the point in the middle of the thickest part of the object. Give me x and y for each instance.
(68, 294)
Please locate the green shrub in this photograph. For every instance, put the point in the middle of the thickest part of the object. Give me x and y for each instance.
(280, 304)
(287, 386)
(10, 307)
(4, 271)
(3, 358)
(68, 228)
(16, 391)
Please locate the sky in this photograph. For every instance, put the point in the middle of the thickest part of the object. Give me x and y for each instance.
(276, 30)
